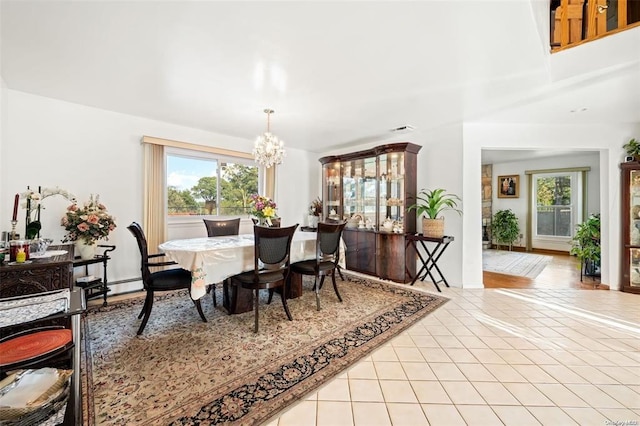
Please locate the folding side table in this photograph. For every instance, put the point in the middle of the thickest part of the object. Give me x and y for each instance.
(430, 260)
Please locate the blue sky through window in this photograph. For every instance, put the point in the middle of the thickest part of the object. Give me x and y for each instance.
(184, 172)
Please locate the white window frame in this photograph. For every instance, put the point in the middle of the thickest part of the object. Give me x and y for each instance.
(576, 204)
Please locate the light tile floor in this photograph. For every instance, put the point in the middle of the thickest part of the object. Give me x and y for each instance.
(494, 357)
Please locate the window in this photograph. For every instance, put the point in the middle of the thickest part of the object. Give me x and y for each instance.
(201, 183)
(556, 201)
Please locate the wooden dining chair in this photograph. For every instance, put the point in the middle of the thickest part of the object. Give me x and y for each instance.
(220, 228)
(271, 265)
(165, 280)
(327, 258)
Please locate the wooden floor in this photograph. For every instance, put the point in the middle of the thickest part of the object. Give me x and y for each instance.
(563, 272)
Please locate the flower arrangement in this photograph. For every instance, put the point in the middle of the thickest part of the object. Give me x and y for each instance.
(88, 223)
(315, 209)
(33, 204)
(263, 208)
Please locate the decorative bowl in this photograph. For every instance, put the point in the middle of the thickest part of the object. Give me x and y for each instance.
(39, 246)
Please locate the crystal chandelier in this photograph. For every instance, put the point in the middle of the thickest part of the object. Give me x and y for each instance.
(268, 150)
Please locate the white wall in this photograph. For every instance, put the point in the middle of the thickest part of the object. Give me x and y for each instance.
(519, 205)
(608, 140)
(87, 150)
(439, 166)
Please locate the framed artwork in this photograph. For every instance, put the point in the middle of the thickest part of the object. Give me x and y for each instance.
(509, 186)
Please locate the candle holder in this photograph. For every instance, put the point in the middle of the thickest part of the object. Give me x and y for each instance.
(13, 236)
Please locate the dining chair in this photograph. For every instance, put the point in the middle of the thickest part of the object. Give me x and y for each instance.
(220, 228)
(271, 265)
(327, 258)
(165, 280)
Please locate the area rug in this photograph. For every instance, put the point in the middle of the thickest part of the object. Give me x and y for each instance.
(514, 263)
(182, 371)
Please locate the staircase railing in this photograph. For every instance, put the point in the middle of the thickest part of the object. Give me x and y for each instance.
(574, 22)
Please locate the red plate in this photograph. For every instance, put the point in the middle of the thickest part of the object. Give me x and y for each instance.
(33, 345)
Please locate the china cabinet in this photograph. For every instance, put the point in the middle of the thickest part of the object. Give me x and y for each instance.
(630, 224)
(371, 190)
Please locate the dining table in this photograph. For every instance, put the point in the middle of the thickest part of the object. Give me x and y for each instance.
(214, 259)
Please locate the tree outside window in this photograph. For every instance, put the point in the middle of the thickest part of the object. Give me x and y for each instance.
(197, 186)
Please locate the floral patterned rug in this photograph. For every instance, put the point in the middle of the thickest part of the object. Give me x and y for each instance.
(183, 371)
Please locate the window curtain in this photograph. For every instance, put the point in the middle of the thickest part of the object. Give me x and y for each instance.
(154, 215)
(270, 182)
(154, 222)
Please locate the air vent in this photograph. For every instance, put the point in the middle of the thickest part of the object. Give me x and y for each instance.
(403, 129)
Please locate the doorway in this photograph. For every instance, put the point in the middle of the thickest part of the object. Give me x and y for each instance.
(545, 227)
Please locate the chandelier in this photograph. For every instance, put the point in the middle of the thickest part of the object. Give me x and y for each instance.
(268, 150)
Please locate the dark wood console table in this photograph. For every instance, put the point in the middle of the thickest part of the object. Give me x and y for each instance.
(38, 275)
(430, 261)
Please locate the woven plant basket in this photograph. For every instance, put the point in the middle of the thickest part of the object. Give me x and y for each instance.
(433, 228)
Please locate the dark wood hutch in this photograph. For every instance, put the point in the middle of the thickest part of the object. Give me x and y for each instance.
(371, 190)
(630, 227)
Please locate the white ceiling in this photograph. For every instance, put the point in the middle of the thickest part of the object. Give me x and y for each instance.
(336, 73)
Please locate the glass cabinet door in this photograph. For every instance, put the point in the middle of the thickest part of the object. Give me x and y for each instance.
(634, 268)
(392, 189)
(331, 192)
(359, 190)
(634, 228)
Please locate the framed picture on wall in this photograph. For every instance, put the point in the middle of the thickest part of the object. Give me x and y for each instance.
(509, 186)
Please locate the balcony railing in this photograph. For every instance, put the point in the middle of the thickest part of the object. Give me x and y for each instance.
(577, 21)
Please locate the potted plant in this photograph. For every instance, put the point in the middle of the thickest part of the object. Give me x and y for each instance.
(633, 148)
(505, 228)
(432, 203)
(585, 244)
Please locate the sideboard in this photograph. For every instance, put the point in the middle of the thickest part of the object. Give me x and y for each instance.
(371, 190)
(38, 275)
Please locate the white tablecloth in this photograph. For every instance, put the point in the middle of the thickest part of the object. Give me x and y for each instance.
(213, 259)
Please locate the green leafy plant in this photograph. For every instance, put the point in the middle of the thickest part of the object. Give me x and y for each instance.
(505, 228)
(585, 243)
(433, 203)
(632, 147)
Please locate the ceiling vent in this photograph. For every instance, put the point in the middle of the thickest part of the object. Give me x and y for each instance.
(403, 129)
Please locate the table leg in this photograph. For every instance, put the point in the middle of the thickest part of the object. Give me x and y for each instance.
(295, 286)
(423, 267)
(105, 289)
(435, 265)
(428, 264)
(236, 299)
